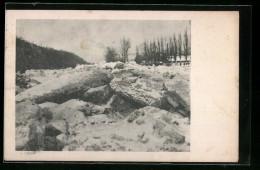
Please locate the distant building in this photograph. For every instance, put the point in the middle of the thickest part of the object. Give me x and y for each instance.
(183, 60)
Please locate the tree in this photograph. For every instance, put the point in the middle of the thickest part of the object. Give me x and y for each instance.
(171, 49)
(145, 50)
(167, 52)
(162, 50)
(154, 49)
(186, 45)
(138, 57)
(180, 47)
(158, 51)
(125, 45)
(175, 52)
(111, 54)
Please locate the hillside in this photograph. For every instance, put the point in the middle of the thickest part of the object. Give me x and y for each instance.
(31, 56)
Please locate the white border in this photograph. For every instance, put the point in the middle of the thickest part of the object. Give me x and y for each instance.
(214, 87)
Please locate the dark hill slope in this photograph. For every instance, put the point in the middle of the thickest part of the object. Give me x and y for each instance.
(31, 56)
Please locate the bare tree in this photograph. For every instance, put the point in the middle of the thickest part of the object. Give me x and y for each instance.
(161, 50)
(186, 45)
(180, 47)
(137, 50)
(167, 51)
(171, 49)
(175, 48)
(125, 45)
(158, 52)
(154, 51)
(138, 57)
(145, 50)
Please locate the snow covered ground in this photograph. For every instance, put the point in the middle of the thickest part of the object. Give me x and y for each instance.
(105, 107)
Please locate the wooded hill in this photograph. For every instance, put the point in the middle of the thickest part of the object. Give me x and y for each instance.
(32, 56)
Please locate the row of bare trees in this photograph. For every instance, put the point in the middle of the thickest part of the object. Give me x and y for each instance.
(112, 55)
(163, 50)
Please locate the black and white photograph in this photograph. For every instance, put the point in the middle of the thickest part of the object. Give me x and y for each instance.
(122, 86)
(102, 85)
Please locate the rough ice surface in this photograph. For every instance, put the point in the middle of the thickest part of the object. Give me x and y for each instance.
(143, 108)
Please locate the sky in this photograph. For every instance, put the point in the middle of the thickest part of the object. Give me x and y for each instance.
(90, 38)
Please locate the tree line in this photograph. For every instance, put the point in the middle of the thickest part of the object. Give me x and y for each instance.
(163, 50)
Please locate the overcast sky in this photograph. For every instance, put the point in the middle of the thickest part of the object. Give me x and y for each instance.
(89, 38)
